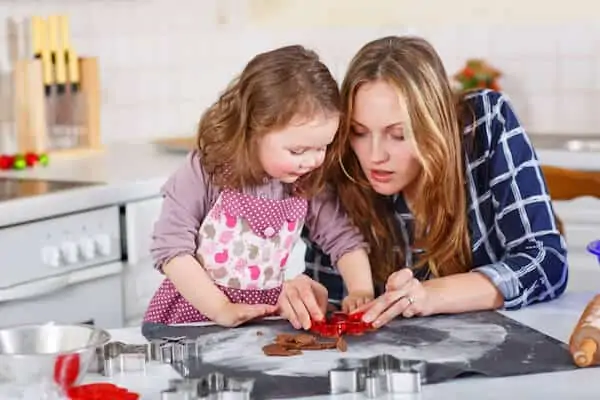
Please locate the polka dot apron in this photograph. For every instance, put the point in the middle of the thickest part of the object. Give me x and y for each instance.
(243, 243)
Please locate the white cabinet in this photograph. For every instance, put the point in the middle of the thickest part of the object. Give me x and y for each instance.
(140, 217)
(141, 279)
(581, 218)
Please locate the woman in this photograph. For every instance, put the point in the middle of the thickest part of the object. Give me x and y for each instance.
(446, 188)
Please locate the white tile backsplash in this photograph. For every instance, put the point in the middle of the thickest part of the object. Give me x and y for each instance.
(162, 63)
(576, 111)
(523, 41)
(577, 40)
(538, 113)
(576, 74)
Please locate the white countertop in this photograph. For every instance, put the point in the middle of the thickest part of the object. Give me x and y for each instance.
(582, 160)
(557, 319)
(130, 172)
(553, 149)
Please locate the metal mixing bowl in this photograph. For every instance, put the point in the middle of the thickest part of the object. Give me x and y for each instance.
(31, 354)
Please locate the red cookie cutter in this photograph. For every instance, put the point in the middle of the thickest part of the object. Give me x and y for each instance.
(100, 391)
(340, 323)
(66, 370)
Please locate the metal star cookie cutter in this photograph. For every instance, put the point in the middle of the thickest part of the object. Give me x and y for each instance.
(214, 386)
(118, 357)
(377, 375)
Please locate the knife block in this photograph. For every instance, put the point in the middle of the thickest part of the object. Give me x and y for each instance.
(32, 130)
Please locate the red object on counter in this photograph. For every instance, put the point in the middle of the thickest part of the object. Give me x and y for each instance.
(356, 328)
(338, 317)
(66, 370)
(357, 317)
(22, 161)
(31, 159)
(340, 323)
(6, 162)
(100, 391)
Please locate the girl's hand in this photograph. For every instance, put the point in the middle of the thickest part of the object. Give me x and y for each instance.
(232, 314)
(356, 300)
(302, 300)
(404, 296)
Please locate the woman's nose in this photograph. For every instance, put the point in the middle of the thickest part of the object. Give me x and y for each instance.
(378, 152)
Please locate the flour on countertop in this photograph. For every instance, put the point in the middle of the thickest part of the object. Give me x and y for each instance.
(432, 340)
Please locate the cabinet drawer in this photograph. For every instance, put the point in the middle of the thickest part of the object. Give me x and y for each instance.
(92, 294)
(140, 283)
(139, 223)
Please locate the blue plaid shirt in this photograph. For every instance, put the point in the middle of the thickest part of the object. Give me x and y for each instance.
(514, 236)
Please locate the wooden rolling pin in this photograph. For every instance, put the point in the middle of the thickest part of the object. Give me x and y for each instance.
(585, 339)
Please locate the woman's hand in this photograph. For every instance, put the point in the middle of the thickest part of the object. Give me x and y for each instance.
(404, 296)
(233, 314)
(302, 300)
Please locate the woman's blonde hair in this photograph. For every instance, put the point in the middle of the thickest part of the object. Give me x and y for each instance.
(437, 116)
(274, 88)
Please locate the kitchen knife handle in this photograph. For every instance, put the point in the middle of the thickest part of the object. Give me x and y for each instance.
(53, 33)
(70, 54)
(47, 67)
(73, 65)
(37, 40)
(60, 55)
(65, 38)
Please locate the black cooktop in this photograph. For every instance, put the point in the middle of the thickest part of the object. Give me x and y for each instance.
(18, 188)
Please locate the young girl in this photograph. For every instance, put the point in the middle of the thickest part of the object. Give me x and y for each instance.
(233, 212)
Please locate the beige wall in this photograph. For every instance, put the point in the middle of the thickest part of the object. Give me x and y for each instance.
(286, 13)
(163, 61)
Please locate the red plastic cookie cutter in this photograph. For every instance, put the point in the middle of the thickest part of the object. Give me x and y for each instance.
(100, 391)
(66, 370)
(340, 323)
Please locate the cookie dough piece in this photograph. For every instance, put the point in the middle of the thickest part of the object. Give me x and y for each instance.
(277, 350)
(341, 345)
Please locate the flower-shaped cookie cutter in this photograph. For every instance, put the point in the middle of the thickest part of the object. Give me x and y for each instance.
(118, 357)
(211, 387)
(376, 375)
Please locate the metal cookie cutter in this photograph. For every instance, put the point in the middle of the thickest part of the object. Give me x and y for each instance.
(377, 375)
(214, 386)
(119, 357)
